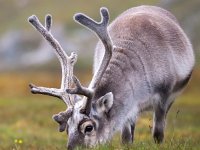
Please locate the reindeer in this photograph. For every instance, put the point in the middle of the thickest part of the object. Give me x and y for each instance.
(142, 62)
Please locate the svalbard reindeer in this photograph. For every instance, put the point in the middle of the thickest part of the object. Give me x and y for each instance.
(142, 62)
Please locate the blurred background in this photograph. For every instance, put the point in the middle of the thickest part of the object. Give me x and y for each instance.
(25, 119)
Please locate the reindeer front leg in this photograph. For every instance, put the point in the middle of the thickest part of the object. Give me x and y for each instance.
(127, 133)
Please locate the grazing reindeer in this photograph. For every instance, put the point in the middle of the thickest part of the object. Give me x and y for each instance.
(142, 62)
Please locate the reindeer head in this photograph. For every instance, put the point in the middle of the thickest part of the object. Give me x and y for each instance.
(86, 119)
(89, 123)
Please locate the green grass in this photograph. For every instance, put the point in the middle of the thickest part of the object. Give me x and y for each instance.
(27, 118)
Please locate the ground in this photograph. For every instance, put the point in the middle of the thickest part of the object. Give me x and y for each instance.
(26, 122)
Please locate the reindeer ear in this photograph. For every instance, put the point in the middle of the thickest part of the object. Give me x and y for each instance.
(105, 103)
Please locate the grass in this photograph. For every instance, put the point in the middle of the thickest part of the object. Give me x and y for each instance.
(26, 122)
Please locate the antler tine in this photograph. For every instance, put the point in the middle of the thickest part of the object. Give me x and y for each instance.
(62, 118)
(46, 91)
(100, 28)
(67, 62)
(79, 89)
(48, 22)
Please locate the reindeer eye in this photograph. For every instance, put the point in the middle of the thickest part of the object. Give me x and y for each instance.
(88, 128)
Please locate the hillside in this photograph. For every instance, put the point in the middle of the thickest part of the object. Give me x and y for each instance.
(22, 47)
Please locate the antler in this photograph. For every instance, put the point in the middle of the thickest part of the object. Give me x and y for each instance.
(79, 89)
(67, 64)
(100, 29)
